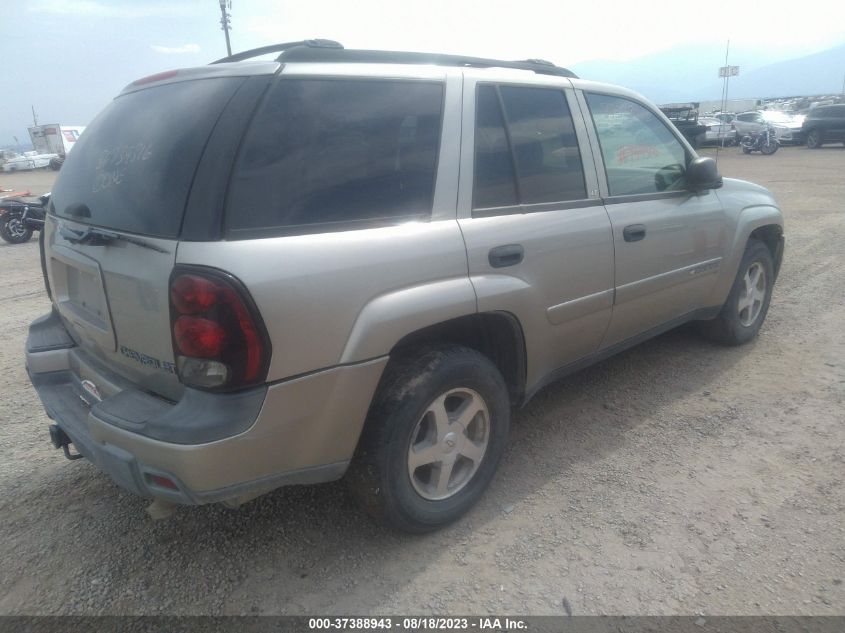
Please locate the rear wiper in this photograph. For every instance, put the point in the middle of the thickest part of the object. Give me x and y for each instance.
(100, 237)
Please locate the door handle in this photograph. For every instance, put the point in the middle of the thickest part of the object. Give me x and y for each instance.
(507, 255)
(634, 232)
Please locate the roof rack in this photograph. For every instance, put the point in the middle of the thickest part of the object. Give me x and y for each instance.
(277, 48)
(330, 51)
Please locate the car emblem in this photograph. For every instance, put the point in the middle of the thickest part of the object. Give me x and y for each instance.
(92, 390)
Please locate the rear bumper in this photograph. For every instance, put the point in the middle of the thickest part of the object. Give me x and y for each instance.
(212, 447)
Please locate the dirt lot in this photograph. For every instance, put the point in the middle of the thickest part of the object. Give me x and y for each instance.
(678, 477)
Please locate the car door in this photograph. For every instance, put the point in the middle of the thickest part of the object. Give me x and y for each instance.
(539, 242)
(749, 123)
(668, 241)
(834, 120)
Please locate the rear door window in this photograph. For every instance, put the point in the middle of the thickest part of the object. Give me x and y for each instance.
(330, 154)
(526, 151)
(132, 168)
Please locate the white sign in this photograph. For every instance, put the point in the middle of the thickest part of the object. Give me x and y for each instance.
(728, 71)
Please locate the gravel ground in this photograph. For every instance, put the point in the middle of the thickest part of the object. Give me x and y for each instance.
(676, 478)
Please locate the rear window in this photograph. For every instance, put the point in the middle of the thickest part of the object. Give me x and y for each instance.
(132, 168)
(327, 154)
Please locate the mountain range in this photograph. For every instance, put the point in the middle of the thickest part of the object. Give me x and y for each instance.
(690, 73)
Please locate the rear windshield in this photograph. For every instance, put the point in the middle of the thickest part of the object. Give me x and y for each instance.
(330, 154)
(132, 168)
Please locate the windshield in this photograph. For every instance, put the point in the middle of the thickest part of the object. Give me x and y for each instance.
(132, 169)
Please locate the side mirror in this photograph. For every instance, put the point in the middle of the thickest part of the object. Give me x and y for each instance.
(703, 174)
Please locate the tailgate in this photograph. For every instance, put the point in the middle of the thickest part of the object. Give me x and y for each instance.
(113, 300)
(114, 220)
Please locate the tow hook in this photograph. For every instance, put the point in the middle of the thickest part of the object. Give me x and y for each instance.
(61, 440)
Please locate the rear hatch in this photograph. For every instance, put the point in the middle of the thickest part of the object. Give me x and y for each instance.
(115, 217)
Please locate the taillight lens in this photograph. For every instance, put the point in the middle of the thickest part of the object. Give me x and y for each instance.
(219, 339)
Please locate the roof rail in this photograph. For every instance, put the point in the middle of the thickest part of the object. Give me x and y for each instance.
(342, 55)
(329, 51)
(277, 48)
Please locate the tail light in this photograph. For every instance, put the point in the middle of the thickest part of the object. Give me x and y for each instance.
(219, 339)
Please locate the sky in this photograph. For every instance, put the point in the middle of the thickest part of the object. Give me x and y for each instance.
(68, 58)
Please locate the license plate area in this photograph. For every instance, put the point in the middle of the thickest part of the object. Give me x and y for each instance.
(80, 296)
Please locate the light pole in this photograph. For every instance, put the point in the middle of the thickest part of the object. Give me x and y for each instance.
(224, 22)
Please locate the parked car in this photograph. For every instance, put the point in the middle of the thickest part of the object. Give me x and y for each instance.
(824, 124)
(684, 116)
(358, 263)
(718, 132)
(27, 161)
(787, 128)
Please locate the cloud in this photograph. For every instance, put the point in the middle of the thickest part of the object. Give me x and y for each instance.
(176, 50)
(94, 8)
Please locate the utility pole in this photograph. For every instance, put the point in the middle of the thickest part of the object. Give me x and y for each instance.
(225, 7)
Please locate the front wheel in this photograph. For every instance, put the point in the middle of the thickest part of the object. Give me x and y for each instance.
(814, 139)
(743, 313)
(769, 147)
(433, 438)
(14, 231)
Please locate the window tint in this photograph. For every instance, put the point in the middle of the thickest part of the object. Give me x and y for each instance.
(548, 161)
(540, 142)
(132, 168)
(323, 152)
(494, 183)
(640, 154)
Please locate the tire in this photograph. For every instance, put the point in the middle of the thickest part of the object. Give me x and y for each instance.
(735, 326)
(814, 139)
(769, 148)
(401, 430)
(14, 231)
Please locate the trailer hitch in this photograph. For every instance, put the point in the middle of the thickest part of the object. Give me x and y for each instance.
(61, 440)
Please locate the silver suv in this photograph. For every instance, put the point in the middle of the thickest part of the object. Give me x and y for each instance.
(358, 263)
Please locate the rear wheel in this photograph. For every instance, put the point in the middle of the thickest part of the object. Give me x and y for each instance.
(433, 438)
(743, 313)
(814, 139)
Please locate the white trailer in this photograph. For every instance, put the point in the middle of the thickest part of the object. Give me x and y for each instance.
(54, 138)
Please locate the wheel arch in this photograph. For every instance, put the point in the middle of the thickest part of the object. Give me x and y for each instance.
(763, 222)
(496, 335)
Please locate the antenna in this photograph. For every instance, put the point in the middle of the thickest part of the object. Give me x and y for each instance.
(225, 22)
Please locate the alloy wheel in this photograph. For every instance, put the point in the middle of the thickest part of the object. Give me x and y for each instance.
(448, 444)
(753, 294)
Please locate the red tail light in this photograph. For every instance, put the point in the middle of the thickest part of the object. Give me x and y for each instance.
(167, 74)
(219, 339)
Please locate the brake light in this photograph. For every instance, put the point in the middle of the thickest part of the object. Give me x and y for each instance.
(219, 339)
(167, 74)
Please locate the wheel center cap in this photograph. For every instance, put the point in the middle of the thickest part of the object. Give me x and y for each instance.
(450, 441)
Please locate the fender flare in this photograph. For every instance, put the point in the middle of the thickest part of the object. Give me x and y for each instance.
(750, 218)
(387, 318)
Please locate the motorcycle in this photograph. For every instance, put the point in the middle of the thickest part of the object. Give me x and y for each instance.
(19, 218)
(764, 142)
